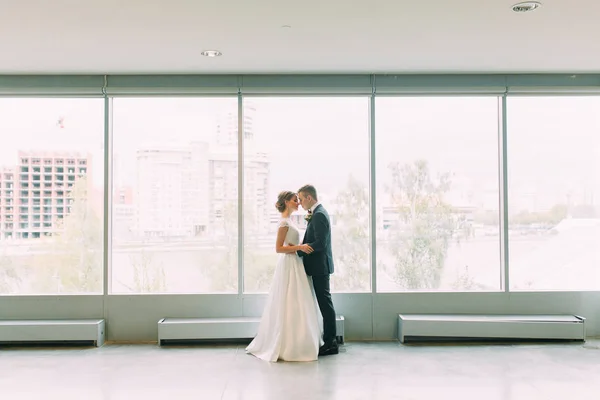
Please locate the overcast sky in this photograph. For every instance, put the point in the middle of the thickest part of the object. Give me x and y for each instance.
(554, 143)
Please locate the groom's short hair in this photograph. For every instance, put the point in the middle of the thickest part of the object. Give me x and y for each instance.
(310, 190)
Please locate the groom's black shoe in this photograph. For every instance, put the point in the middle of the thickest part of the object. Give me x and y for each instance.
(329, 348)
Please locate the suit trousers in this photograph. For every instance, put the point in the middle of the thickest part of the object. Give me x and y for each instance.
(322, 292)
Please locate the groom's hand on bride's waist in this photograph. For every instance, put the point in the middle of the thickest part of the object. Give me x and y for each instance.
(305, 248)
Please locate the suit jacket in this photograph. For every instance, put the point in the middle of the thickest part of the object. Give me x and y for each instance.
(318, 236)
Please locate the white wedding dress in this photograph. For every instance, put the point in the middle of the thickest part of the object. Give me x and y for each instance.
(290, 327)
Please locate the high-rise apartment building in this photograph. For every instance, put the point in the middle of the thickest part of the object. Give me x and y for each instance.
(192, 189)
(35, 195)
(223, 172)
(223, 190)
(227, 126)
(171, 196)
(189, 191)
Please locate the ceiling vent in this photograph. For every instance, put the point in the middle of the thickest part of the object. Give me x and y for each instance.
(526, 6)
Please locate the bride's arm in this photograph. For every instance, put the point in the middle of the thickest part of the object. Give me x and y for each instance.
(280, 248)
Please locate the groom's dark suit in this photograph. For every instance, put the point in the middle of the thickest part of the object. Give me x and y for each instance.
(319, 265)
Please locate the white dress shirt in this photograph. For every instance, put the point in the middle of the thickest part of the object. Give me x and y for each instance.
(312, 209)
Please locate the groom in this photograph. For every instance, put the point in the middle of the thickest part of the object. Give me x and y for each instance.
(319, 264)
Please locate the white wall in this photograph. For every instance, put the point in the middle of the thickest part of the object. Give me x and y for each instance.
(368, 317)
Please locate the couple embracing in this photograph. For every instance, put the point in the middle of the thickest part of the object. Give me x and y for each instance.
(290, 327)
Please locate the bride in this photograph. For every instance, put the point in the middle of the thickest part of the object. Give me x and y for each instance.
(289, 329)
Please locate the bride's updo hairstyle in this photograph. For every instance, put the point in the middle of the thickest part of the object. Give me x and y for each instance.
(282, 198)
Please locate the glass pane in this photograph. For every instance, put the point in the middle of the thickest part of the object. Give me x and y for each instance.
(290, 142)
(62, 254)
(554, 185)
(174, 225)
(437, 194)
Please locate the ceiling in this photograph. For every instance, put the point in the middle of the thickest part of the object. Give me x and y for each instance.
(325, 36)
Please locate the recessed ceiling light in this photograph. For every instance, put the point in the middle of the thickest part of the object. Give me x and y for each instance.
(211, 53)
(526, 6)
(286, 26)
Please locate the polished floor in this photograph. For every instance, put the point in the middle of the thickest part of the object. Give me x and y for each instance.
(387, 370)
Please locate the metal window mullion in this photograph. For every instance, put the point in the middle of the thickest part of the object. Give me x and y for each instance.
(373, 191)
(373, 208)
(240, 193)
(107, 202)
(504, 250)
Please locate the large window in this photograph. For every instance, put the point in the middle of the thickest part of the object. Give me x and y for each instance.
(289, 142)
(174, 206)
(554, 193)
(51, 191)
(437, 194)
